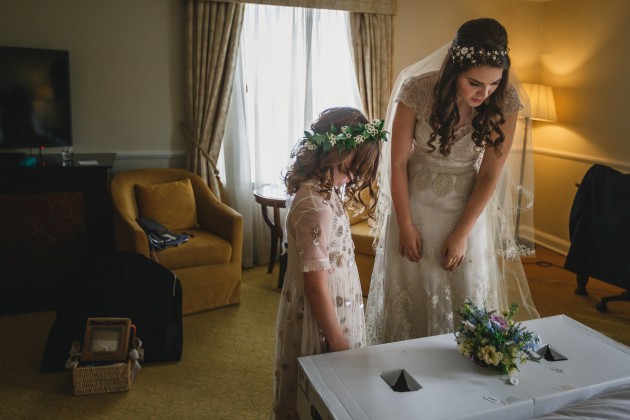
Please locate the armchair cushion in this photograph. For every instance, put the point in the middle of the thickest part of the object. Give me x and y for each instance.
(172, 203)
(363, 239)
(356, 212)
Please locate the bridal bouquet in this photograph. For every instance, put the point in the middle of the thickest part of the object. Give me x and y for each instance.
(491, 339)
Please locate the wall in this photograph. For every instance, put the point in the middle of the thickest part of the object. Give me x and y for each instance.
(583, 59)
(420, 27)
(127, 71)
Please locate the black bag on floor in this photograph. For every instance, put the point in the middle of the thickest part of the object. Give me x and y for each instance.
(125, 285)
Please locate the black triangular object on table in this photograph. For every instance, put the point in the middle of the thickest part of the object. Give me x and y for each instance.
(401, 383)
(400, 380)
(550, 354)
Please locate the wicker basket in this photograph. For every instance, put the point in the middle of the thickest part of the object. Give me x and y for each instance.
(102, 379)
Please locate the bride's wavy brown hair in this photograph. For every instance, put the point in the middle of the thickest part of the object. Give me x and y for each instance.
(317, 164)
(490, 35)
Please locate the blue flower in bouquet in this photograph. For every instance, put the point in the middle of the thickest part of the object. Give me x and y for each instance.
(493, 339)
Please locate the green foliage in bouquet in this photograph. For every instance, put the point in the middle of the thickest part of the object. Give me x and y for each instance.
(491, 339)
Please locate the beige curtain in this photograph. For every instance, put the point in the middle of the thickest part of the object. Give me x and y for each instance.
(381, 7)
(372, 50)
(212, 35)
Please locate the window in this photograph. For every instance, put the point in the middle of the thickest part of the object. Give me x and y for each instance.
(294, 63)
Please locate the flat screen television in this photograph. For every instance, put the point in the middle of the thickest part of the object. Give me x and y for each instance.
(34, 98)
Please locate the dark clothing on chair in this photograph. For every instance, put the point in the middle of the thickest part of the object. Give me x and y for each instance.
(125, 285)
(599, 227)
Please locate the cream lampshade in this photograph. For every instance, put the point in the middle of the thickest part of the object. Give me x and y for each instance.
(541, 102)
(543, 108)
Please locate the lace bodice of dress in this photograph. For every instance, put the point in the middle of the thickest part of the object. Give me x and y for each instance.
(430, 168)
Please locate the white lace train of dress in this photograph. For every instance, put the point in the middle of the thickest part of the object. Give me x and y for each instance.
(411, 300)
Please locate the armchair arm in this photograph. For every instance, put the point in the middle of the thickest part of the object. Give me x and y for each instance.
(128, 235)
(222, 220)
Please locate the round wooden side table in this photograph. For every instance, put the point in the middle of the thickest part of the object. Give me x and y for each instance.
(273, 196)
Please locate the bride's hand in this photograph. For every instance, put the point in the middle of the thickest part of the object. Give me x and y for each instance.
(454, 251)
(410, 243)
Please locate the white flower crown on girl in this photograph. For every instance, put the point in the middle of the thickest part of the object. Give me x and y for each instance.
(349, 137)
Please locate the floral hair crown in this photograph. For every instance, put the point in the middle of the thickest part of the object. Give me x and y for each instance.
(461, 54)
(347, 138)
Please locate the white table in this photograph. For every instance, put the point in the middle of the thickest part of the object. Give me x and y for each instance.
(347, 385)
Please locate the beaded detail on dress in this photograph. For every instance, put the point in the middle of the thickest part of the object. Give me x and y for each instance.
(443, 179)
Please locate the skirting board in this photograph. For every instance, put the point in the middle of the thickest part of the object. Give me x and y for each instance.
(544, 239)
(552, 242)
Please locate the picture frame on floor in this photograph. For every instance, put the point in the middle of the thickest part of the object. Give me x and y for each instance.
(106, 339)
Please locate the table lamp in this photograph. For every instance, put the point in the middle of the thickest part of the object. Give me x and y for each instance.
(541, 102)
(543, 108)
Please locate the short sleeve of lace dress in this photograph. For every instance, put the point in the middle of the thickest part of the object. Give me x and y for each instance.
(312, 234)
(415, 91)
(512, 101)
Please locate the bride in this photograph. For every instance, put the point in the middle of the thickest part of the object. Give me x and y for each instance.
(451, 235)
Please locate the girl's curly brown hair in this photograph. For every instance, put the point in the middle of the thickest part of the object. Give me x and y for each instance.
(317, 164)
(490, 35)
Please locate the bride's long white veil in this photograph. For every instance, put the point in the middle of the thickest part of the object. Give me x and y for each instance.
(511, 209)
(430, 63)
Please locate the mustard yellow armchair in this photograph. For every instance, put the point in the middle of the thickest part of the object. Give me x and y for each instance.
(209, 264)
(363, 241)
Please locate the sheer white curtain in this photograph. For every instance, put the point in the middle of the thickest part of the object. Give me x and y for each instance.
(293, 63)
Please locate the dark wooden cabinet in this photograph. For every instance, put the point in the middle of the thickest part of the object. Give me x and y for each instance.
(50, 215)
